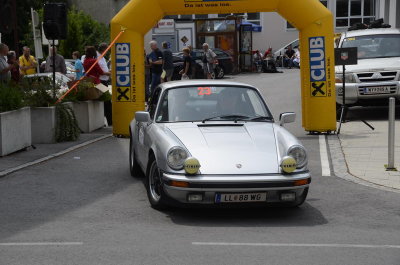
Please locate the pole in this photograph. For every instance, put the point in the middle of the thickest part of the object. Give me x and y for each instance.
(343, 109)
(54, 70)
(392, 114)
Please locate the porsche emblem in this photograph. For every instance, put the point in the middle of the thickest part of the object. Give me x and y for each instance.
(239, 166)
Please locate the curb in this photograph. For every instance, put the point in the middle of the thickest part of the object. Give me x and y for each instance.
(341, 170)
(49, 157)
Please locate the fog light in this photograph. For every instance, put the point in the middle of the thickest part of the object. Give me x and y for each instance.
(195, 197)
(288, 197)
(288, 164)
(192, 166)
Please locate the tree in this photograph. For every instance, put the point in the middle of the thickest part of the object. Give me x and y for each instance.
(83, 31)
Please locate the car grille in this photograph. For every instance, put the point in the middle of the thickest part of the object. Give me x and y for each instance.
(377, 76)
(393, 90)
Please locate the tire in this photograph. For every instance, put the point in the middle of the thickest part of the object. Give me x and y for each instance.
(219, 72)
(155, 192)
(133, 165)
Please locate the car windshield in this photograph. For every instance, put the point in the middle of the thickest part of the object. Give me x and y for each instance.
(375, 46)
(186, 104)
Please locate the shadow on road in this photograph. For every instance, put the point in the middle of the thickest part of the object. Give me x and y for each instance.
(305, 215)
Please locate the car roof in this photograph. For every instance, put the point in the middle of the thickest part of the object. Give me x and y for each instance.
(202, 82)
(363, 32)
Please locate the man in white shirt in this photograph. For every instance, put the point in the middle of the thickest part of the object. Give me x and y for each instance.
(104, 79)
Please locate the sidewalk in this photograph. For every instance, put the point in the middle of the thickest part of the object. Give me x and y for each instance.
(42, 151)
(366, 152)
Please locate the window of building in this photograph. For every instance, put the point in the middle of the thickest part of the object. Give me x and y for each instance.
(290, 26)
(254, 18)
(349, 12)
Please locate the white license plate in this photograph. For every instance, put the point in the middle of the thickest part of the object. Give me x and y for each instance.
(377, 90)
(240, 197)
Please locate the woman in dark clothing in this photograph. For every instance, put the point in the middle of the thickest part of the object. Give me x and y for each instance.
(12, 60)
(186, 72)
(90, 59)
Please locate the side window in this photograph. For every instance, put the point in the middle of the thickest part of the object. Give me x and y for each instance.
(153, 102)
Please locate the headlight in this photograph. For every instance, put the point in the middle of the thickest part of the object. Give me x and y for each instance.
(176, 157)
(348, 78)
(299, 154)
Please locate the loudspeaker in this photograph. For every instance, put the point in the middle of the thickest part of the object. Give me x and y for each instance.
(55, 21)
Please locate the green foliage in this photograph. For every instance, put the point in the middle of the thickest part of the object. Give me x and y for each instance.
(38, 91)
(11, 97)
(66, 126)
(105, 96)
(83, 31)
(80, 93)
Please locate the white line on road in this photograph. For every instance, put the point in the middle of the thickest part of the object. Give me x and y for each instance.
(295, 245)
(9, 244)
(326, 170)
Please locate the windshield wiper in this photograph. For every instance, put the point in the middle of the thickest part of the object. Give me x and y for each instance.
(261, 118)
(235, 117)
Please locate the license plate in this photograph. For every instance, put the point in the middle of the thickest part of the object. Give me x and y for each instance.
(240, 197)
(377, 90)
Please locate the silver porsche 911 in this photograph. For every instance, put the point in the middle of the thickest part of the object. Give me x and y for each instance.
(216, 142)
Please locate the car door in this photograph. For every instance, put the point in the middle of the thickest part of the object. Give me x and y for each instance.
(143, 137)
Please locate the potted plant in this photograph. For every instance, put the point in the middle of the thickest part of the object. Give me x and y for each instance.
(49, 123)
(15, 120)
(88, 106)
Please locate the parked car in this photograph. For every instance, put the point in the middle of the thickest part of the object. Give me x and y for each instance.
(61, 80)
(216, 143)
(376, 77)
(224, 66)
(280, 52)
(69, 63)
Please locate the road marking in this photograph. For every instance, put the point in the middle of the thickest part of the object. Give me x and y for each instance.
(9, 244)
(326, 169)
(295, 245)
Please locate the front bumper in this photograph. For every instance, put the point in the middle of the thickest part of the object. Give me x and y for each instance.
(355, 92)
(209, 185)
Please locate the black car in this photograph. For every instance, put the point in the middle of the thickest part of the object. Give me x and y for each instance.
(224, 66)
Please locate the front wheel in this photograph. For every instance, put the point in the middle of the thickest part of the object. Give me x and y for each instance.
(155, 192)
(219, 72)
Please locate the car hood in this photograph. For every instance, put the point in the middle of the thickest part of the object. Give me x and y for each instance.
(226, 148)
(372, 65)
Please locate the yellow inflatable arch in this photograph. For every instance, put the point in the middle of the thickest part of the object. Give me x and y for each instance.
(310, 17)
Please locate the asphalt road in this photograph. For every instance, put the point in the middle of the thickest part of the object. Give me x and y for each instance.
(84, 208)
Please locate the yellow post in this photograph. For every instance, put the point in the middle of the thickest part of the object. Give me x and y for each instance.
(313, 20)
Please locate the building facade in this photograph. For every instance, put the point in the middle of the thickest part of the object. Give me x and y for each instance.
(276, 31)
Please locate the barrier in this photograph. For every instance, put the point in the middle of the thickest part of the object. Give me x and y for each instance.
(313, 20)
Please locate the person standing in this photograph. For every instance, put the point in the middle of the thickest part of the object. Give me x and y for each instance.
(12, 61)
(192, 56)
(27, 62)
(96, 71)
(104, 79)
(78, 65)
(186, 72)
(5, 68)
(156, 62)
(209, 58)
(59, 62)
(168, 64)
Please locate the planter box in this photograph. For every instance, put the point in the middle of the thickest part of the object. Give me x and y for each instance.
(15, 130)
(43, 124)
(89, 114)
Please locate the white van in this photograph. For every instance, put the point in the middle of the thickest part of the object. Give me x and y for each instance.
(376, 77)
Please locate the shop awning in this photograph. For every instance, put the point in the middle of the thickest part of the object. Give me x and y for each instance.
(254, 27)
